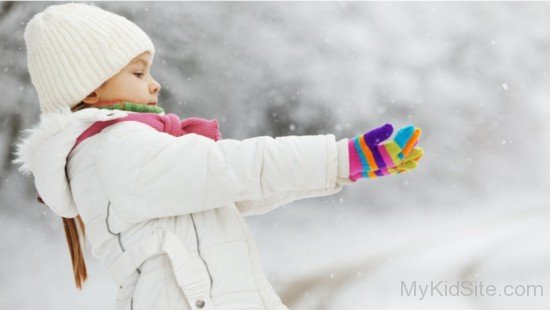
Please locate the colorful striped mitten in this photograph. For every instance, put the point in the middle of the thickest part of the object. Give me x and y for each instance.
(370, 157)
(409, 162)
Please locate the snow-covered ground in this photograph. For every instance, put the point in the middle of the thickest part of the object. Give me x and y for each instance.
(326, 253)
(342, 257)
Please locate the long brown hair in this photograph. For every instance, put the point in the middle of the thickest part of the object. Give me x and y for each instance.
(74, 241)
(81, 105)
(72, 234)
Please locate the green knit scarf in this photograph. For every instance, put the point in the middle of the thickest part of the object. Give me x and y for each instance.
(131, 106)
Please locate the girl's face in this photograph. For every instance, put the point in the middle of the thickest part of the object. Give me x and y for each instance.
(133, 83)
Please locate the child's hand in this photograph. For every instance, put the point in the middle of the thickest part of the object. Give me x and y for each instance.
(370, 158)
(410, 162)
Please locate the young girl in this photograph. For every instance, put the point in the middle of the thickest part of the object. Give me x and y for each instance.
(162, 199)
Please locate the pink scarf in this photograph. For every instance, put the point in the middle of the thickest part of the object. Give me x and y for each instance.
(169, 123)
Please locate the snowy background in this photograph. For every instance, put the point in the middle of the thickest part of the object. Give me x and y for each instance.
(473, 76)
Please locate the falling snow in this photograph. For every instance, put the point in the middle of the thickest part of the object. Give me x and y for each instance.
(467, 211)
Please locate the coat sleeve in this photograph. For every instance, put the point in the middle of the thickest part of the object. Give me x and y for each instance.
(148, 174)
(335, 157)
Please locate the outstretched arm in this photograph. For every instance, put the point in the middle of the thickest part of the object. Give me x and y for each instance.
(147, 174)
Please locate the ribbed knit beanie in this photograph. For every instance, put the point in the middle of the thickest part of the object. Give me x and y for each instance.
(73, 48)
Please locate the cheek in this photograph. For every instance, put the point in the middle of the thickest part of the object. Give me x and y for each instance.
(127, 86)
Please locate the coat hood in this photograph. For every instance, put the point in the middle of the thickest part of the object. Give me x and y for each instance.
(43, 152)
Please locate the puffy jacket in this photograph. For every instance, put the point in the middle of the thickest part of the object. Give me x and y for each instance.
(164, 214)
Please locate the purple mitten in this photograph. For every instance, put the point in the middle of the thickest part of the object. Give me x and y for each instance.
(364, 156)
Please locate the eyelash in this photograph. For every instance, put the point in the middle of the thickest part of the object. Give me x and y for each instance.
(139, 75)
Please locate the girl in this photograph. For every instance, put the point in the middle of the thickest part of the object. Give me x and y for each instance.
(163, 200)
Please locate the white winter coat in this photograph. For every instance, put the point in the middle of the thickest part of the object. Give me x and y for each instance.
(164, 214)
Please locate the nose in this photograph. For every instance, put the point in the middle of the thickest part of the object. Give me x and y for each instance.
(155, 87)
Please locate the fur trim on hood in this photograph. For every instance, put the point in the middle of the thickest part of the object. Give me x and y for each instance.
(43, 153)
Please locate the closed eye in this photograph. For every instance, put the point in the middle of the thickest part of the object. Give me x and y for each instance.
(138, 74)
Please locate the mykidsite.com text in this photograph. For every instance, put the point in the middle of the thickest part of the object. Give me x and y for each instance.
(468, 288)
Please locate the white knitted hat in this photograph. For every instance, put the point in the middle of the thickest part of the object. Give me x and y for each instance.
(73, 48)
